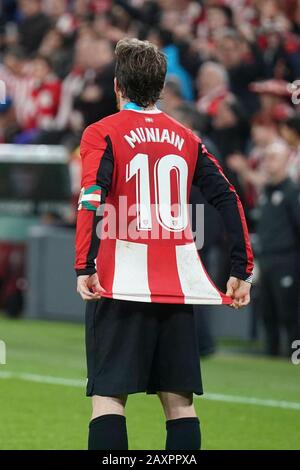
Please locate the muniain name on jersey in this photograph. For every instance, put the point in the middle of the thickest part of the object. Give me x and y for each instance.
(153, 134)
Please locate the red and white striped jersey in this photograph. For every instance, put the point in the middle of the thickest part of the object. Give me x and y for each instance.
(140, 166)
(19, 88)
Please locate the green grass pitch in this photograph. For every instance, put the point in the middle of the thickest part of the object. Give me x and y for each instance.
(35, 414)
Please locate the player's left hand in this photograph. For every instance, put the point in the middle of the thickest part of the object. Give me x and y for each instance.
(239, 291)
(89, 287)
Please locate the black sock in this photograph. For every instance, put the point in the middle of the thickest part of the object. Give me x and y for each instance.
(108, 432)
(183, 434)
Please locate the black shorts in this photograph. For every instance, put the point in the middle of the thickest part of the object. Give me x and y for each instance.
(141, 347)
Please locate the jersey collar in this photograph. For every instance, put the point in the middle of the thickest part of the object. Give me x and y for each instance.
(134, 107)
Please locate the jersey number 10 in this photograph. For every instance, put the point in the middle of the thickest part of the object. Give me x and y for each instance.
(139, 167)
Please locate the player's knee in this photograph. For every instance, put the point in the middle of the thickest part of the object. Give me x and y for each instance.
(108, 405)
(177, 405)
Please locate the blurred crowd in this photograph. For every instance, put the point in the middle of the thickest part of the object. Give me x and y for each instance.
(232, 77)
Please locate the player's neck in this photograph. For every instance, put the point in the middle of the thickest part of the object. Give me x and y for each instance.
(126, 104)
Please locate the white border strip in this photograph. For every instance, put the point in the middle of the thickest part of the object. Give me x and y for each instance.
(15, 153)
(42, 379)
(144, 111)
(47, 379)
(287, 405)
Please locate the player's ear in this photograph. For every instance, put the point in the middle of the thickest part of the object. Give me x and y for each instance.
(116, 87)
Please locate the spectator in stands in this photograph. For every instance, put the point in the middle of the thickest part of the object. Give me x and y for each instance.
(212, 85)
(273, 97)
(290, 131)
(172, 97)
(70, 121)
(296, 17)
(14, 73)
(279, 237)
(61, 18)
(44, 100)
(34, 24)
(219, 16)
(54, 47)
(8, 126)
(281, 49)
(227, 119)
(249, 168)
(97, 98)
(241, 57)
(174, 53)
(7, 15)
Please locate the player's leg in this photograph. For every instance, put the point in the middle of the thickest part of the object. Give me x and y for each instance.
(108, 405)
(120, 339)
(107, 429)
(183, 428)
(177, 405)
(175, 375)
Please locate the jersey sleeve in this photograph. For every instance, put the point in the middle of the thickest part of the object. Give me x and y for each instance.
(97, 170)
(219, 192)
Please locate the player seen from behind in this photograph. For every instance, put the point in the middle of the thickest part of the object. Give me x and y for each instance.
(139, 268)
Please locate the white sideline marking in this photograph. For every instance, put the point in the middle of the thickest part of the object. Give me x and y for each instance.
(288, 405)
(43, 379)
(48, 379)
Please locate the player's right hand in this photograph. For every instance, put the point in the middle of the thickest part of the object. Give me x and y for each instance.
(239, 291)
(89, 288)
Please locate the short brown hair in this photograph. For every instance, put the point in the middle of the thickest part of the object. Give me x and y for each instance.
(140, 71)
